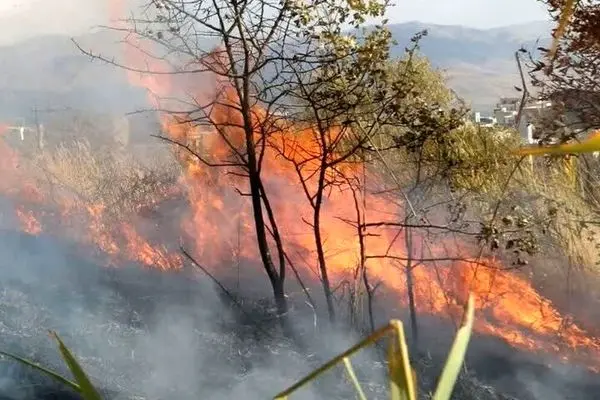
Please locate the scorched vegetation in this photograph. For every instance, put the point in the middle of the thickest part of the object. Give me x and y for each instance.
(296, 157)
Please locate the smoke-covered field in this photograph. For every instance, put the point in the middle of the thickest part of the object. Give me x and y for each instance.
(145, 322)
(142, 333)
(136, 331)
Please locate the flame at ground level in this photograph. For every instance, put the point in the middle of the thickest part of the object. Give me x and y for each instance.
(42, 207)
(508, 305)
(222, 228)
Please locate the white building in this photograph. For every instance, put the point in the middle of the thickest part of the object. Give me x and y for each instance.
(506, 111)
(532, 111)
(484, 120)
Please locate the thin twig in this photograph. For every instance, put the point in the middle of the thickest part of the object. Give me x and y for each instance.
(224, 290)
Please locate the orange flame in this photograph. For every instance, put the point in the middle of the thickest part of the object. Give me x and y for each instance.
(221, 224)
(29, 223)
(39, 209)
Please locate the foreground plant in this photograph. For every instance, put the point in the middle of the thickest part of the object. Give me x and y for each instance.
(589, 145)
(81, 384)
(402, 378)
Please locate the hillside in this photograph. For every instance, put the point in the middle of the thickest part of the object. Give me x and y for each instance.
(479, 64)
(49, 72)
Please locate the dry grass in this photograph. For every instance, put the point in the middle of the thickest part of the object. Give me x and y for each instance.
(558, 198)
(115, 179)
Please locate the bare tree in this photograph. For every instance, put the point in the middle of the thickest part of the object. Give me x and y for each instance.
(348, 101)
(176, 40)
(267, 53)
(274, 66)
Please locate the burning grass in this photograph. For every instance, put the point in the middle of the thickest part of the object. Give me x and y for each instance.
(101, 198)
(319, 203)
(116, 204)
(143, 334)
(401, 376)
(114, 179)
(79, 200)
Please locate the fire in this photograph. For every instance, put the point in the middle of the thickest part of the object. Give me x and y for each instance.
(220, 222)
(515, 311)
(46, 209)
(99, 233)
(29, 223)
(139, 249)
(509, 307)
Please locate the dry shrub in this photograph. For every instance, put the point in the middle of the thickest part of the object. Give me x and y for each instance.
(113, 178)
(476, 159)
(545, 194)
(558, 185)
(546, 201)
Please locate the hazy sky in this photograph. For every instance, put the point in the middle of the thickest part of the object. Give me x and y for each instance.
(472, 13)
(22, 18)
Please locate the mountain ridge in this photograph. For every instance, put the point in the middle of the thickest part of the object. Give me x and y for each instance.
(479, 65)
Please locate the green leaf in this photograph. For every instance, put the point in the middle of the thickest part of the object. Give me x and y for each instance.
(456, 356)
(402, 384)
(43, 370)
(352, 376)
(373, 338)
(590, 145)
(86, 388)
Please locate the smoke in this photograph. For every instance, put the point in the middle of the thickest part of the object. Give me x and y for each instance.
(30, 18)
(136, 331)
(169, 335)
(148, 333)
(25, 19)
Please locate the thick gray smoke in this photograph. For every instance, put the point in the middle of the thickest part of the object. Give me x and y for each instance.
(136, 331)
(155, 335)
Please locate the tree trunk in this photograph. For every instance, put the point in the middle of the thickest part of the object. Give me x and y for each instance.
(410, 290)
(321, 252)
(277, 281)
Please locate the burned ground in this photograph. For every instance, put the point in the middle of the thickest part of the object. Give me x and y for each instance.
(141, 332)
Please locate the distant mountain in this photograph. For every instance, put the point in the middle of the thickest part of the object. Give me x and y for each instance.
(480, 64)
(448, 43)
(50, 72)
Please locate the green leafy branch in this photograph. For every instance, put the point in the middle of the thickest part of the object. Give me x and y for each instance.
(402, 378)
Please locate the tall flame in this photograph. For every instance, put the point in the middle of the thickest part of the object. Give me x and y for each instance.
(220, 222)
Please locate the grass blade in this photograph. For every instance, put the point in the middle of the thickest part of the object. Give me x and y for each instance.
(373, 338)
(456, 356)
(589, 145)
(352, 376)
(402, 385)
(86, 388)
(43, 370)
(566, 13)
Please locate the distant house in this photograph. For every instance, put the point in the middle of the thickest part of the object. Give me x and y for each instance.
(506, 111)
(568, 112)
(504, 114)
(485, 121)
(532, 113)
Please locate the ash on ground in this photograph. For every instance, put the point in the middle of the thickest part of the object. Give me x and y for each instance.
(145, 334)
